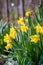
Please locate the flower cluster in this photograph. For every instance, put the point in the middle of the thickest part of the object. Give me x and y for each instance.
(26, 40)
(8, 37)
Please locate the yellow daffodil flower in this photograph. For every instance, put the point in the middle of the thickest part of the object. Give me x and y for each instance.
(9, 46)
(38, 28)
(28, 13)
(34, 38)
(20, 21)
(24, 28)
(7, 38)
(12, 33)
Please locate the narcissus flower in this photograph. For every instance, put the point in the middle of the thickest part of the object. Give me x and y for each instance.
(9, 46)
(34, 38)
(7, 38)
(20, 21)
(38, 28)
(24, 28)
(12, 33)
(28, 13)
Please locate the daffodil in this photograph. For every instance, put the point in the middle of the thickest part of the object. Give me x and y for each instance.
(28, 13)
(38, 28)
(34, 38)
(8, 46)
(20, 21)
(12, 33)
(7, 38)
(23, 28)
